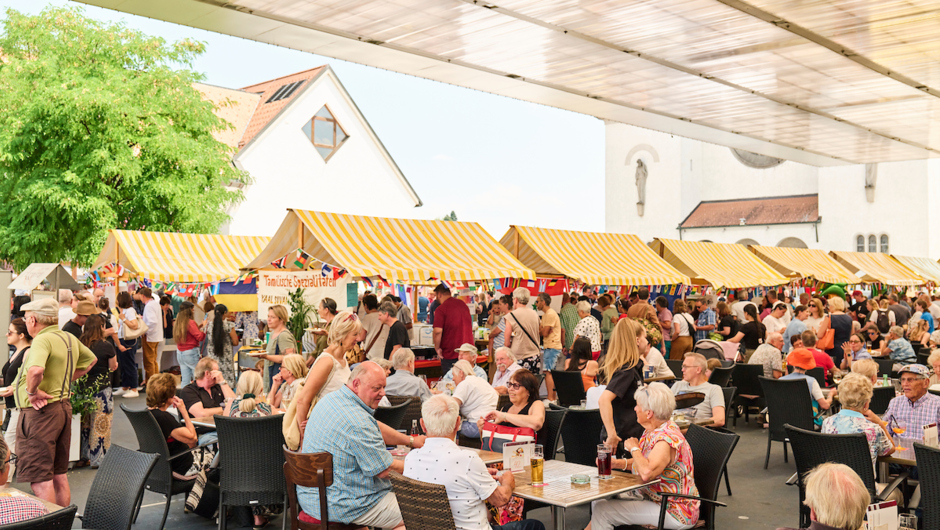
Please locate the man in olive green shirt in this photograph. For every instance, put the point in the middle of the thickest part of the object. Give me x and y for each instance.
(53, 361)
(569, 319)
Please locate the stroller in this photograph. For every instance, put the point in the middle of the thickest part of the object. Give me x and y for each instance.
(710, 349)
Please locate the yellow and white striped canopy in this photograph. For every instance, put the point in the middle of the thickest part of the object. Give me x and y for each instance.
(875, 267)
(805, 263)
(175, 257)
(722, 265)
(591, 257)
(407, 250)
(926, 268)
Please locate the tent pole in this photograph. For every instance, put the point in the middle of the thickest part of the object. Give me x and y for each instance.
(515, 243)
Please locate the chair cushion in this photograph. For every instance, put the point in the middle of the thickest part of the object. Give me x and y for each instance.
(304, 517)
(307, 518)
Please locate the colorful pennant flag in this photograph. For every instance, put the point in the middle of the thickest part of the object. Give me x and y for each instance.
(326, 271)
(302, 258)
(280, 263)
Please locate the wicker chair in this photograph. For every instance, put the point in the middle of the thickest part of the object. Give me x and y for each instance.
(885, 366)
(423, 506)
(569, 386)
(117, 489)
(720, 376)
(581, 432)
(728, 393)
(57, 520)
(151, 440)
(788, 402)
(392, 416)
(811, 449)
(311, 470)
(745, 379)
(881, 397)
(412, 411)
(250, 461)
(676, 366)
(928, 465)
(922, 357)
(819, 375)
(550, 432)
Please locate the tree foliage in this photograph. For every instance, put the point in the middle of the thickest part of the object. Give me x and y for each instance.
(450, 217)
(100, 128)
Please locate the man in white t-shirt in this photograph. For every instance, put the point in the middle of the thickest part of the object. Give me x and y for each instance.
(153, 318)
(475, 396)
(738, 307)
(694, 380)
(775, 322)
(469, 484)
(66, 311)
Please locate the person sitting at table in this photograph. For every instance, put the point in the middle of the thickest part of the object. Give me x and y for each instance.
(854, 350)
(343, 425)
(916, 407)
(404, 382)
(505, 367)
(524, 409)
(473, 487)
(872, 336)
(693, 380)
(934, 362)
(467, 352)
(475, 395)
(898, 348)
(769, 357)
(917, 332)
(836, 497)
(287, 383)
(14, 509)
(180, 435)
(802, 360)
(206, 395)
(654, 362)
(622, 374)
(581, 361)
(660, 453)
(823, 360)
(868, 368)
(710, 366)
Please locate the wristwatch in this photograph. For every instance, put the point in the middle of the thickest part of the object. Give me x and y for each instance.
(634, 449)
(411, 442)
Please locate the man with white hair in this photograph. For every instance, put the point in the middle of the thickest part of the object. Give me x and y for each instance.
(505, 367)
(404, 382)
(467, 352)
(916, 407)
(343, 425)
(738, 307)
(66, 312)
(475, 396)
(694, 380)
(471, 486)
(768, 355)
(898, 348)
(836, 497)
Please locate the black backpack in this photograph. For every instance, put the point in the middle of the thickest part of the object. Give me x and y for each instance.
(883, 323)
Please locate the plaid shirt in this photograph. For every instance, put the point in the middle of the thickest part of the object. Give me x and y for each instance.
(912, 416)
(705, 318)
(569, 319)
(14, 509)
(342, 425)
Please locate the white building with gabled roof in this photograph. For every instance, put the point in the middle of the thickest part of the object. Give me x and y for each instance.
(306, 145)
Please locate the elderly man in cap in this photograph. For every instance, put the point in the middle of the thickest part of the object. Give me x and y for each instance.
(466, 352)
(54, 360)
(802, 360)
(82, 310)
(916, 407)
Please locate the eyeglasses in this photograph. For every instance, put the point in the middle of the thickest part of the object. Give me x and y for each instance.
(513, 385)
(10, 333)
(11, 459)
(855, 342)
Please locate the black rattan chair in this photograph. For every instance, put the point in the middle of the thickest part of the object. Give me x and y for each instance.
(922, 357)
(885, 366)
(423, 506)
(750, 393)
(928, 466)
(788, 402)
(117, 489)
(676, 366)
(569, 387)
(811, 449)
(881, 397)
(392, 416)
(151, 440)
(580, 433)
(250, 462)
(551, 430)
(819, 375)
(57, 520)
(728, 393)
(412, 411)
(311, 470)
(720, 376)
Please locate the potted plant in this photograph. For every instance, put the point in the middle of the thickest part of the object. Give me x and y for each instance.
(83, 403)
(300, 312)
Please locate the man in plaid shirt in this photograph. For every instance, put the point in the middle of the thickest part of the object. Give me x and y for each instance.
(916, 407)
(14, 509)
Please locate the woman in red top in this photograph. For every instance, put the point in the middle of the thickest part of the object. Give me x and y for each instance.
(187, 335)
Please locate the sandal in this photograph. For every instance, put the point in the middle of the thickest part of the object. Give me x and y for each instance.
(262, 525)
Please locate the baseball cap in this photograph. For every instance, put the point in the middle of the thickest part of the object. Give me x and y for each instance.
(85, 308)
(468, 348)
(917, 369)
(856, 293)
(46, 307)
(802, 358)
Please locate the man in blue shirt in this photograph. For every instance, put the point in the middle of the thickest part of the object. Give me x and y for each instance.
(706, 322)
(795, 327)
(898, 348)
(342, 424)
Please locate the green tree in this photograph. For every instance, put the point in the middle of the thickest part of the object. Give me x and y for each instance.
(450, 217)
(100, 128)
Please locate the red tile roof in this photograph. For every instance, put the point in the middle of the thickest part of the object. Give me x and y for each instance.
(761, 211)
(267, 111)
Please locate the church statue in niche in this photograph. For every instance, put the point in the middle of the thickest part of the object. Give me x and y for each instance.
(641, 174)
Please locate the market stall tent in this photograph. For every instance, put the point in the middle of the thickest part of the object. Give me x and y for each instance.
(724, 266)
(592, 258)
(176, 257)
(805, 263)
(926, 268)
(875, 267)
(33, 276)
(402, 250)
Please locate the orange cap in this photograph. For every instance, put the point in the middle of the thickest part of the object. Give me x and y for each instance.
(802, 358)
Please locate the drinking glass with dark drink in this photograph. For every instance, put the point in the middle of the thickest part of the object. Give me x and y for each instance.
(603, 461)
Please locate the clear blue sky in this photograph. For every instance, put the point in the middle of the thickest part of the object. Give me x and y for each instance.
(491, 159)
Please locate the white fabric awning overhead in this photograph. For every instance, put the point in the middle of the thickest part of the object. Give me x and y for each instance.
(33, 275)
(822, 82)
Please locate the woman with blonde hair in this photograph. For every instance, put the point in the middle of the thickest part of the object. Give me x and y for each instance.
(288, 382)
(682, 328)
(282, 342)
(622, 374)
(249, 397)
(816, 315)
(867, 368)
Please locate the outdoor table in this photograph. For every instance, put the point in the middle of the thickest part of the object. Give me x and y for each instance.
(903, 457)
(208, 422)
(10, 491)
(659, 379)
(689, 400)
(488, 457)
(559, 493)
(701, 422)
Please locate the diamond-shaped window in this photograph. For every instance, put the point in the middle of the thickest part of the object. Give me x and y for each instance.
(326, 134)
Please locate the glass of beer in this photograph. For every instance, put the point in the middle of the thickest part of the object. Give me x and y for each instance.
(603, 462)
(538, 465)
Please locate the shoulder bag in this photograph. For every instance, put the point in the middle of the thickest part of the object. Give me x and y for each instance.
(291, 427)
(526, 332)
(133, 334)
(494, 435)
(827, 341)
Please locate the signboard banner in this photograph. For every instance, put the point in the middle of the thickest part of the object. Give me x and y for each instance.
(274, 287)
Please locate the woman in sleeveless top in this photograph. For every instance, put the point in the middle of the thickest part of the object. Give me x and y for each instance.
(525, 409)
(581, 361)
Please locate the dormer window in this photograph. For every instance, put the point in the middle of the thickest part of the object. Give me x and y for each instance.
(326, 134)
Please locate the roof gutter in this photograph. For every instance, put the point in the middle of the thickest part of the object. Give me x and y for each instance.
(814, 223)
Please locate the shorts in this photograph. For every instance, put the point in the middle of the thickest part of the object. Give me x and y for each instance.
(42, 442)
(549, 358)
(532, 364)
(385, 513)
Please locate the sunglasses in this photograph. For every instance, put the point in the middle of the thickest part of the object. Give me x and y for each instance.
(513, 385)
(11, 459)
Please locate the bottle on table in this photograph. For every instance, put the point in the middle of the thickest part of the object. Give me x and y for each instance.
(414, 428)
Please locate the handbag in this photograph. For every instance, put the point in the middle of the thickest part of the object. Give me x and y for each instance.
(203, 499)
(494, 435)
(291, 427)
(827, 341)
(133, 334)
